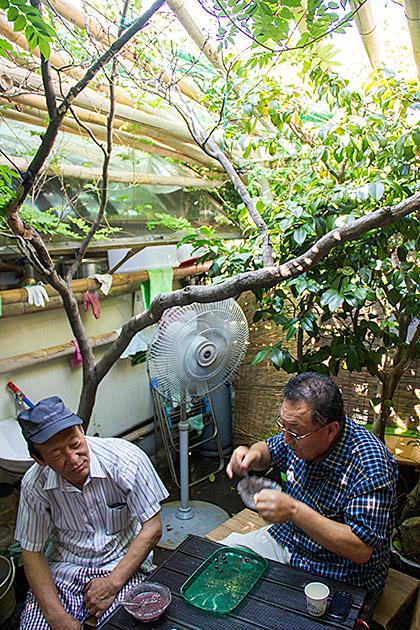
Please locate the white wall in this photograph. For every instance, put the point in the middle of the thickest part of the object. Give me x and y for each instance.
(123, 398)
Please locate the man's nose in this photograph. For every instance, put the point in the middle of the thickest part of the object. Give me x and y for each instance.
(72, 456)
(288, 438)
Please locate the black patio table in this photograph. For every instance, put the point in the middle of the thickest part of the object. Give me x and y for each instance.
(276, 602)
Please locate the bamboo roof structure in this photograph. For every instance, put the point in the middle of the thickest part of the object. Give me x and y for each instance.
(141, 124)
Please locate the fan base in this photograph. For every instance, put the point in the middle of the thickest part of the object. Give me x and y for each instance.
(205, 517)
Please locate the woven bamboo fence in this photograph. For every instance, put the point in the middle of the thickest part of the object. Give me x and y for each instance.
(259, 388)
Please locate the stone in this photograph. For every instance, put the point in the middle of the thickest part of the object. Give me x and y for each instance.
(9, 501)
(410, 538)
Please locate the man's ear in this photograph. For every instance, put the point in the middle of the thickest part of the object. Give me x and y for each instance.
(333, 428)
(38, 460)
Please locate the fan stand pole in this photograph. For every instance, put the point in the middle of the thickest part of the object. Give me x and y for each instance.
(184, 512)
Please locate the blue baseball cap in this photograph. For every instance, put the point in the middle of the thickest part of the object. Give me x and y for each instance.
(45, 419)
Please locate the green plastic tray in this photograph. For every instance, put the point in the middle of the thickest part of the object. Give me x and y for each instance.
(223, 580)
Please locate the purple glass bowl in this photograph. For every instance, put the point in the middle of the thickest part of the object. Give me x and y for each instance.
(250, 486)
(147, 601)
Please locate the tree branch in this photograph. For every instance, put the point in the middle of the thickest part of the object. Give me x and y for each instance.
(46, 75)
(209, 145)
(262, 278)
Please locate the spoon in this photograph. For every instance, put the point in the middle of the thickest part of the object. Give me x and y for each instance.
(129, 604)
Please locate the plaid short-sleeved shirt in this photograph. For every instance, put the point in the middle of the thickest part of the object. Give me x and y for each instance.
(354, 485)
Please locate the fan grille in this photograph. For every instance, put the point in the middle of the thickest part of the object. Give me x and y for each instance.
(196, 348)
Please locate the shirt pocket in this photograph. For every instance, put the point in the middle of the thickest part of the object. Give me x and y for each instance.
(116, 519)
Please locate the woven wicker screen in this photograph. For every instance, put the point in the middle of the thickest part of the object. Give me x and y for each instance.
(258, 389)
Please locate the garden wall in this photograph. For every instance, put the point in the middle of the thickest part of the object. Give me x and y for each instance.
(258, 391)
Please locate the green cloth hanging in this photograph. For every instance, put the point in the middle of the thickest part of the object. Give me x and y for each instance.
(160, 281)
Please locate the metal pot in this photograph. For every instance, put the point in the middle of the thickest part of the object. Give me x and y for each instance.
(88, 267)
(7, 591)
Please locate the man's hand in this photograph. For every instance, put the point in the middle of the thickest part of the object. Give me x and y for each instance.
(275, 506)
(237, 464)
(99, 595)
(65, 622)
(245, 459)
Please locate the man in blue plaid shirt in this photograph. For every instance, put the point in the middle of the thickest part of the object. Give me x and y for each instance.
(336, 516)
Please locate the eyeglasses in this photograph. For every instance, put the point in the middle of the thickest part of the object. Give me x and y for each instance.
(291, 434)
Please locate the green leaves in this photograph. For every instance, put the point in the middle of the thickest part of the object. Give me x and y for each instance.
(332, 299)
(260, 356)
(28, 19)
(376, 190)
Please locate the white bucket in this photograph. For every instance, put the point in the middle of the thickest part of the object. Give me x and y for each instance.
(7, 591)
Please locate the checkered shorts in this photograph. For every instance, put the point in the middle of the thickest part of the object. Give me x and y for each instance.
(72, 598)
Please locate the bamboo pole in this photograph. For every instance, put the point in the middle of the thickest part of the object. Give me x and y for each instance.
(189, 155)
(209, 48)
(37, 101)
(14, 296)
(367, 27)
(23, 308)
(95, 174)
(36, 118)
(90, 100)
(201, 39)
(29, 359)
(78, 17)
(412, 12)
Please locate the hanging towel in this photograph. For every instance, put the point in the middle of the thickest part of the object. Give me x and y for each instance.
(91, 297)
(196, 423)
(105, 280)
(160, 281)
(37, 294)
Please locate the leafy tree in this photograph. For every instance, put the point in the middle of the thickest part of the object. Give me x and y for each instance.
(356, 309)
(317, 186)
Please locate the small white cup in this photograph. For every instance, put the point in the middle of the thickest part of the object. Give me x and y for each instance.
(316, 598)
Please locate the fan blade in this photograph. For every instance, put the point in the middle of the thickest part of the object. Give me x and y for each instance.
(196, 348)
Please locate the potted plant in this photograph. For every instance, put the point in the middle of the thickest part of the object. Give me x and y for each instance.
(405, 545)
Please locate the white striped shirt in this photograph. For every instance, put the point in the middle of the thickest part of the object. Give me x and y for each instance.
(94, 526)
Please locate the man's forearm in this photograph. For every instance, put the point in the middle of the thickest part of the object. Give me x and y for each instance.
(101, 592)
(280, 507)
(42, 584)
(138, 551)
(336, 537)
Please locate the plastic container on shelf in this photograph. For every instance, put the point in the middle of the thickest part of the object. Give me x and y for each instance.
(187, 255)
(156, 257)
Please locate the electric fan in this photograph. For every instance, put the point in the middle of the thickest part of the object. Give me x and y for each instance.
(195, 350)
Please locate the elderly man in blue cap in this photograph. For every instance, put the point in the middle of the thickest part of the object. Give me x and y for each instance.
(96, 502)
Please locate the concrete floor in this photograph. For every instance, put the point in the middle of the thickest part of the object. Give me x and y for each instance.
(221, 491)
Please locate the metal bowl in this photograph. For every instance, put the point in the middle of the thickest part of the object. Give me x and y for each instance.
(147, 601)
(248, 487)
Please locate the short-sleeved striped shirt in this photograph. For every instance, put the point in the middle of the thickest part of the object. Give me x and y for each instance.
(355, 485)
(93, 526)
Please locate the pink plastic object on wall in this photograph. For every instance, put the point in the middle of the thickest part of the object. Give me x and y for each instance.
(91, 297)
(76, 358)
